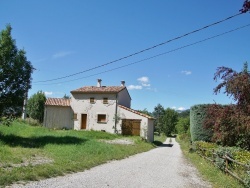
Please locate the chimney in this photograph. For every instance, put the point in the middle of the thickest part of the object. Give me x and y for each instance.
(122, 83)
(99, 82)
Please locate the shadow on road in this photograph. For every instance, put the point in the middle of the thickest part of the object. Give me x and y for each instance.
(166, 145)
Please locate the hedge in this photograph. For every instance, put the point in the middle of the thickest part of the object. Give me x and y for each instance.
(197, 117)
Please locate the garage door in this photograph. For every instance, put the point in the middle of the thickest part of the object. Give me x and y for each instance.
(131, 127)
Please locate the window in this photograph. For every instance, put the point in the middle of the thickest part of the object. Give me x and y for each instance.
(105, 100)
(92, 100)
(101, 118)
(75, 116)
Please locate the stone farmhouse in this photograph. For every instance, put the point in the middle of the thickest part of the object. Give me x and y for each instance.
(101, 108)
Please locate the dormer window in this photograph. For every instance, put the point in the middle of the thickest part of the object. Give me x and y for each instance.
(105, 100)
(92, 100)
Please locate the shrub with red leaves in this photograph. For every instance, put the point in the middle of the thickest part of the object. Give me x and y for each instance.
(231, 123)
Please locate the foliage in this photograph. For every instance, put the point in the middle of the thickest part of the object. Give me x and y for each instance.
(216, 177)
(145, 111)
(236, 84)
(184, 136)
(35, 106)
(29, 121)
(7, 120)
(197, 117)
(184, 113)
(217, 154)
(231, 123)
(158, 114)
(183, 125)
(245, 7)
(66, 96)
(15, 75)
(159, 139)
(205, 145)
(169, 121)
(247, 179)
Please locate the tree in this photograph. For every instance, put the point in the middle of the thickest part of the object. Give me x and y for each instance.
(35, 106)
(145, 111)
(15, 75)
(182, 125)
(169, 121)
(231, 123)
(158, 114)
(66, 96)
(184, 113)
(236, 84)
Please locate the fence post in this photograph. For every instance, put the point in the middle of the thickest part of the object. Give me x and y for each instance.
(226, 163)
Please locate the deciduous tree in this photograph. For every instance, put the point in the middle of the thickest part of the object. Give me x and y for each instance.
(169, 121)
(182, 125)
(35, 106)
(231, 123)
(15, 75)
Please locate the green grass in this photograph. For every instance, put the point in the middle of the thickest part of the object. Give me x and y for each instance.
(159, 139)
(70, 151)
(209, 172)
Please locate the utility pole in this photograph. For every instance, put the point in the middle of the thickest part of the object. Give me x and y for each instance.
(24, 114)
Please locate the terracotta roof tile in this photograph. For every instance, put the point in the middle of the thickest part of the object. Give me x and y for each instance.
(136, 112)
(103, 89)
(57, 102)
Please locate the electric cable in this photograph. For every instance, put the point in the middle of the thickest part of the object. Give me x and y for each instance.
(141, 51)
(164, 53)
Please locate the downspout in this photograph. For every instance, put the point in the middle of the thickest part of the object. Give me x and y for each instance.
(45, 117)
(116, 112)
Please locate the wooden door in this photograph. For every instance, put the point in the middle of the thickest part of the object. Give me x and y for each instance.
(131, 127)
(84, 121)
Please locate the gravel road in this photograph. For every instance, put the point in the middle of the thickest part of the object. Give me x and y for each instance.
(164, 166)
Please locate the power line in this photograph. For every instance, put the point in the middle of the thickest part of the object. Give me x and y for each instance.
(164, 53)
(144, 50)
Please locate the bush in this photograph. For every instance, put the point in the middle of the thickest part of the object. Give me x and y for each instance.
(230, 125)
(197, 117)
(30, 121)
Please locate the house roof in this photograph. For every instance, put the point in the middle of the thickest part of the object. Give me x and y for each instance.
(136, 112)
(57, 102)
(102, 89)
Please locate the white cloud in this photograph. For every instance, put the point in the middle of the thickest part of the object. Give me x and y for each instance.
(62, 54)
(143, 79)
(186, 72)
(48, 93)
(132, 87)
(181, 108)
(145, 85)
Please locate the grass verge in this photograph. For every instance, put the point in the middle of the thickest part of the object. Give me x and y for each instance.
(29, 153)
(209, 172)
(159, 139)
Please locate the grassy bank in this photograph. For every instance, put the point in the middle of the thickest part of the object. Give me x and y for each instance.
(33, 153)
(212, 174)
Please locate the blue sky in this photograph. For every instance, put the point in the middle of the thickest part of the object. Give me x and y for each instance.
(65, 37)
